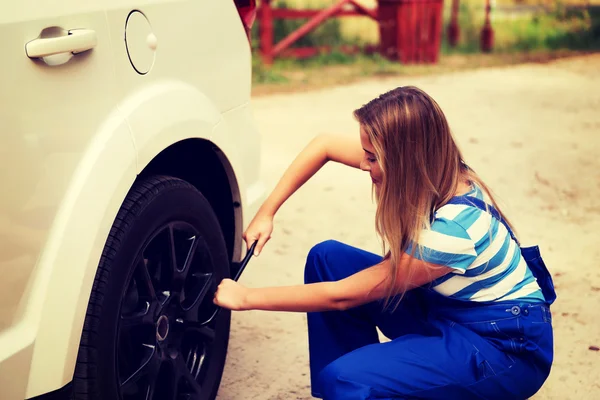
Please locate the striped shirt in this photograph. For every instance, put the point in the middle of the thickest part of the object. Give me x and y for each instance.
(487, 263)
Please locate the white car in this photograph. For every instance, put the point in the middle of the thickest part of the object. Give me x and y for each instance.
(129, 160)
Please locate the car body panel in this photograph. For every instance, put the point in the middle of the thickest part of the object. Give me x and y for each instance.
(74, 138)
(43, 140)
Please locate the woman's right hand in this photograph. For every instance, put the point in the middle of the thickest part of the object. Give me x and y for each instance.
(319, 151)
(260, 230)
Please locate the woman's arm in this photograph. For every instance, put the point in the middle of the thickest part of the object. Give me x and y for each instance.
(317, 153)
(361, 288)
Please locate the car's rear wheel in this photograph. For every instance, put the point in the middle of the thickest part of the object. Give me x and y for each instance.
(145, 333)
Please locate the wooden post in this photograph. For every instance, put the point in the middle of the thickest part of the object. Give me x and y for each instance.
(453, 27)
(487, 32)
(266, 31)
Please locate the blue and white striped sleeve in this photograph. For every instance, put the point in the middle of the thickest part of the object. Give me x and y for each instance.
(446, 243)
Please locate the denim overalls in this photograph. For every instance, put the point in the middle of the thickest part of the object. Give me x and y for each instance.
(439, 348)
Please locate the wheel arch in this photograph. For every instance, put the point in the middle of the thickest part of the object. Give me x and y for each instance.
(169, 128)
(203, 164)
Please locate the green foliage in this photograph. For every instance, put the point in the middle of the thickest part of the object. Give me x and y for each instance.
(560, 28)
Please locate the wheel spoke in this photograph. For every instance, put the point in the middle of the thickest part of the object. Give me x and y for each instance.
(172, 251)
(184, 386)
(151, 389)
(183, 247)
(144, 280)
(139, 301)
(171, 394)
(206, 332)
(205, 283)
(189, 368)
(141, 317)
(194, 306)
(157, 265)
(195, 361)
(190, 255)
(149, 368)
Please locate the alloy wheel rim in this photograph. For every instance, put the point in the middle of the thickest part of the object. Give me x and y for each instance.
(163, 335)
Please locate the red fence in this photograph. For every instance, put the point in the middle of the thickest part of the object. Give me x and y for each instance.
(266, 14)
(410, 30)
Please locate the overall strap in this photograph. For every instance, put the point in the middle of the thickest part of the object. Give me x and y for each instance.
(475, 202)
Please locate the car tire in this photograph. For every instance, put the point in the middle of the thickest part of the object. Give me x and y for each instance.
(147, 333)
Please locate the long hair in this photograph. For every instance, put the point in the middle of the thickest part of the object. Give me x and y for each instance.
(421, 168)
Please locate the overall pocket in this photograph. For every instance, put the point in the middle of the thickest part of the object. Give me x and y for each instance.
(505, 334)
(536, 264)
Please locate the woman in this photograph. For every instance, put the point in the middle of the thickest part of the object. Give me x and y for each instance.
(455, 294)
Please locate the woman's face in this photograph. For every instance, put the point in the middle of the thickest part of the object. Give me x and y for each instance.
(369, 162)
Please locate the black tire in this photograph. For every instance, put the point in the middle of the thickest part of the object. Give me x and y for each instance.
(147, 307)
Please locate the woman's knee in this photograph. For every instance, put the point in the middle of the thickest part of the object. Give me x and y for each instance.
(340, 380)
(318, 260)
(332, 260)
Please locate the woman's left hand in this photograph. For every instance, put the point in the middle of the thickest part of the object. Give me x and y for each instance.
(231, 295)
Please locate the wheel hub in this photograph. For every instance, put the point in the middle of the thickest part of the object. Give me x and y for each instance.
(162, 328)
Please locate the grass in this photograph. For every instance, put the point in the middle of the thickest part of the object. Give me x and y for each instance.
(282, 77)
(519, 37)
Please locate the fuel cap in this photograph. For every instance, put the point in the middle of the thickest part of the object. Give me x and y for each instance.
(140, 41)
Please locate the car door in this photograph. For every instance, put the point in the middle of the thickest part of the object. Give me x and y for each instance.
(57, 90)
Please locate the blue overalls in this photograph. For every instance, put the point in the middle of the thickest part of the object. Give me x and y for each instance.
(439, 348)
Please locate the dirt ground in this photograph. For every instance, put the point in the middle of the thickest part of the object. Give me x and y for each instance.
(533, 134)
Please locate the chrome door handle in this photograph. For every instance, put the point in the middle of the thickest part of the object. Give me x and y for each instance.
(77, 41)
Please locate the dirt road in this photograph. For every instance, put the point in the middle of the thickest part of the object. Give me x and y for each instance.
(533, 134)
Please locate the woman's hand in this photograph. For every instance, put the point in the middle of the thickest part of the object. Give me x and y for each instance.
(260, 230)
(231, 295)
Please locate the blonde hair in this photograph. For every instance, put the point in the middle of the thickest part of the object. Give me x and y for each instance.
(421, 167)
